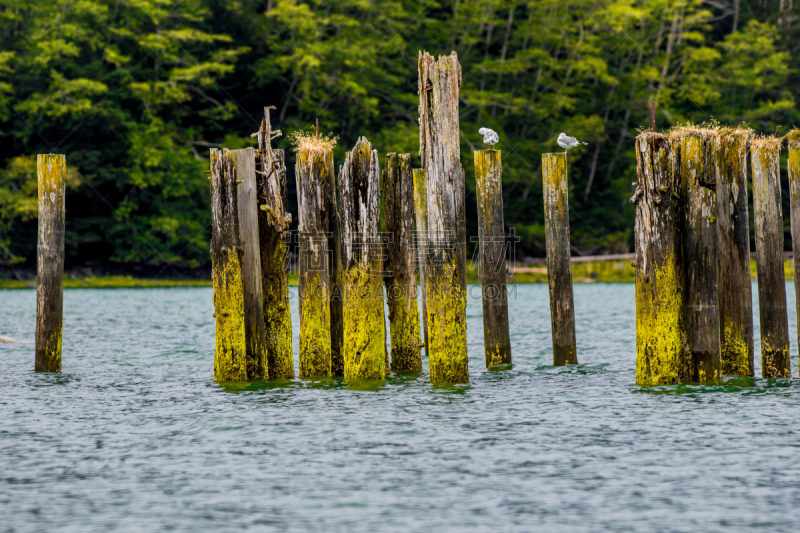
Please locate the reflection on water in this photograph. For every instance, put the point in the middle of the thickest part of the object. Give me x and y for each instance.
(135, 435)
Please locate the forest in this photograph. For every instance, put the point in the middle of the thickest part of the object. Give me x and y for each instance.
(135, 92)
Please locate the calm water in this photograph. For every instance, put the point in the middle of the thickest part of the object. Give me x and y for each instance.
(135, 435)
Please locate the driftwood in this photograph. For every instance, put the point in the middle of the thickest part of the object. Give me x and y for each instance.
(316, 217)
(273, 226)
(733, 255)
(559, 271)
(698, 177)
(492, 249)
(445, 268)
(660, 325)
(773, 314)
(52, 171)
(401, 279)
(226, 272)
(362, 264)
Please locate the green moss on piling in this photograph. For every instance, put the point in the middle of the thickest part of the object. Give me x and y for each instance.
(405, 330)
(660, 351)
(315, 330)
(229, 357)
(447, 326)
(364, 326)
(735, 352)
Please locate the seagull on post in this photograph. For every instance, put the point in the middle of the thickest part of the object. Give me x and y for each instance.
(568, 142)
(489, 137)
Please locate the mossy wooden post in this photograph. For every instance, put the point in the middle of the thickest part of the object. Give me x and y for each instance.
(446, 261)
(698, 179)
(794, 189)
(401, 279)
(362, 264)
(315, 195)
(660, 326)
(226, 271)
(243, 164)
(491, 239)
(559, 270)
(420, 196)
(273, 224)
(733, 254)
(52, 171)
(765, 153)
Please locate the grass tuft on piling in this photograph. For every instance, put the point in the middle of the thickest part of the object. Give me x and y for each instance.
(306, 141)
(793, 137)
(768, 143)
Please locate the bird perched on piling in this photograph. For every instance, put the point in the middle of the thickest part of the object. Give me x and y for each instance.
(489, 137)
(568, 142)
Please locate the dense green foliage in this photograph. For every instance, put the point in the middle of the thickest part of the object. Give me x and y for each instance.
(135, 92)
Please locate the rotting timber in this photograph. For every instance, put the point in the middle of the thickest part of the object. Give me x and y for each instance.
(364, 349)
(660, 325)
(559, 268)
(243, 166)
(445, 263)
(418, 175)
(226, 268)
(733, 253)
(793, 139)
(273, 226)
(492, 250)
(401, 278)
(316, 216)
(51, 170)
(698, 181)
(773, 314)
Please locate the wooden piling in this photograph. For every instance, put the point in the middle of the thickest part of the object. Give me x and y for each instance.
(362, 264)
(227, 256)
(698, 180)
(491, 240)
(273, 227)
(559, 271)
(733, 254)
(446, 262)
(660, 325)
(420, 196)
(315, 193)
(765, 154)
(244, 170)
(401, 279)
(51, 170)
(794, 189)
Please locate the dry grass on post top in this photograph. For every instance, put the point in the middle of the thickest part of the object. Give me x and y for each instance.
(306, 141)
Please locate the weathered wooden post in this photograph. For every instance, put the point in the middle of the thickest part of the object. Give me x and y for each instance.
(446, 261)
(765, 154)
(401, 280)
(559, 270)
(491, 240)
(316, 216)
(420, 197)
(698, 179)
(794, 189)
(243, 163)
(362, 264)
(51, 170)
(226, 262)
(660, 326)
(273, 223)
(733, 253)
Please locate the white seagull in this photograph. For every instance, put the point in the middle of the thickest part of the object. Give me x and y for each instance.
(489, 136)
(568, 142)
